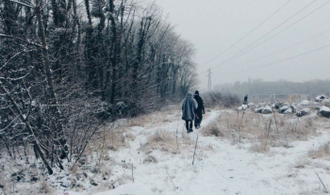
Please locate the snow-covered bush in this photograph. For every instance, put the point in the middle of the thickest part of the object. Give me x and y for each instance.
(303, 112)
(325, 111)
(267, 110)
(320, 98)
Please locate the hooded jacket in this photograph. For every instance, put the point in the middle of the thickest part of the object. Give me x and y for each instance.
(189, 105)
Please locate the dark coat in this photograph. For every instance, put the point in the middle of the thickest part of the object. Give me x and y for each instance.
(245, 99)
(200, 109)
(189, 105)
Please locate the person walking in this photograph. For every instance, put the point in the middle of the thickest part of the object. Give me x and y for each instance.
(199, 111)
(189, 105)
(245, 101)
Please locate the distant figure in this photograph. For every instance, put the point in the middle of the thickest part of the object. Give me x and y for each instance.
(245, 102)
(189, 105)
(199, 111)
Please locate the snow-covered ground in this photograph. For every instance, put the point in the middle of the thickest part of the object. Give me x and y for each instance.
(222, 169)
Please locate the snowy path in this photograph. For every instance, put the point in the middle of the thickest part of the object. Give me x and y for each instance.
(224, 170)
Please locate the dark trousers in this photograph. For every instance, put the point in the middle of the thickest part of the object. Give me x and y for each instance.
(189, 124)
(198, 119)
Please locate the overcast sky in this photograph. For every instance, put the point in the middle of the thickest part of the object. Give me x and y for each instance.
(256, 39)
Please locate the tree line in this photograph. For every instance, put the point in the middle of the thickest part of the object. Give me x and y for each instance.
(258, 86)
(68, 66)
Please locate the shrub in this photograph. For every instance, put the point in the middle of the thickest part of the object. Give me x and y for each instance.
(212, 130)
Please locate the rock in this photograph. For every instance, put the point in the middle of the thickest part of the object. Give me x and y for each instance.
(288, 111)
(283, 109)
(325, 111)
(259, 109)
(279, 105)
(267, 110)
(319, 98)
(303, 112)
(326, 102)
(93, 183)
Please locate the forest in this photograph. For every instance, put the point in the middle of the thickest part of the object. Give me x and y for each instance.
(67, 67)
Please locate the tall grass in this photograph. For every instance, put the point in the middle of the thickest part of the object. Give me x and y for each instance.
(261, 131)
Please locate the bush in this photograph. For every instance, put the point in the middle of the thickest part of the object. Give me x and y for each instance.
(212, 130)
(225, 100)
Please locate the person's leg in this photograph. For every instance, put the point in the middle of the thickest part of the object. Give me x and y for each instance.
(187, 125)
(200, 120)
(191, 125)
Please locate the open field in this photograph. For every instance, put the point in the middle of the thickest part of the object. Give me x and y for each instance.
(237, 152)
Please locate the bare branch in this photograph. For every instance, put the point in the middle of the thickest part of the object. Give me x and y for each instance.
(14, 56)
(21, 3)
(26, 41)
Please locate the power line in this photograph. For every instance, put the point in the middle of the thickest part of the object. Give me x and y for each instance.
(288, 47)
(240, 52)
(290, 58)
(248, 32)
(288, 26)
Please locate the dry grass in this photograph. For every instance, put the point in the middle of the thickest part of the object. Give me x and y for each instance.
(167, 142)
(45, 188)
(150, 159)
(109, 139)
(322, 153)
(212, 129)
(262, 131)
(138, 121)
(162, 140)
(153, 119)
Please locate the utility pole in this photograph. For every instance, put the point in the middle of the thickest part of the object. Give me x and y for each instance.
(209, 85)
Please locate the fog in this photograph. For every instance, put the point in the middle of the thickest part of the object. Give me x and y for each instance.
(256, 39)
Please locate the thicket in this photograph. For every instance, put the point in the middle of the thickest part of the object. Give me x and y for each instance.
(67, 67)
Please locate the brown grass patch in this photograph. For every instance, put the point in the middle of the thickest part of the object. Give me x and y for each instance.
(170, 142)
(263, 131)
(150, 159)
(162, 140)
(322, 152)
(212, 129)
(153, 119)
(138, 121)
(109, 139)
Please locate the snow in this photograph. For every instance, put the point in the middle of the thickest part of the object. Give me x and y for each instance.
(227, 169)
(129, 189)
(304, 103)
(324, 108)
(319, 98)
(219, 167)
(243, 107)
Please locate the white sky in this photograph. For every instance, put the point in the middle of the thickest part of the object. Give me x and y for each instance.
(221, 29)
